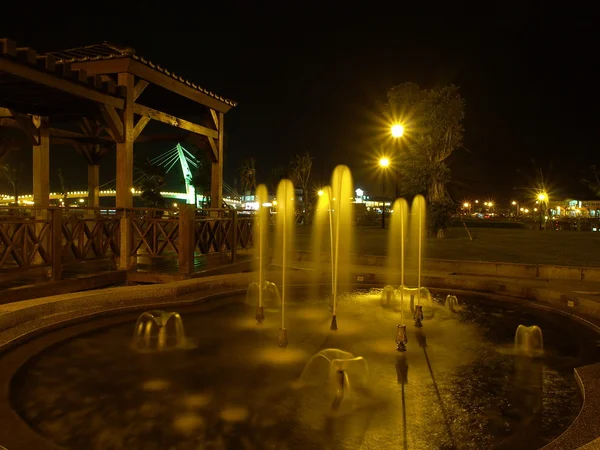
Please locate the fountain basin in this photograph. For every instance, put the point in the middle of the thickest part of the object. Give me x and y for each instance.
(244, 380)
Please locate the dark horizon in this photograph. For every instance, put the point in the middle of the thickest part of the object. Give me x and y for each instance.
(530, 102)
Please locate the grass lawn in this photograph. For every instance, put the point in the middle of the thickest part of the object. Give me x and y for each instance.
(568, 248)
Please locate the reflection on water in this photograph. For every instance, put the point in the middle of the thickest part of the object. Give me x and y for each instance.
(458, 384)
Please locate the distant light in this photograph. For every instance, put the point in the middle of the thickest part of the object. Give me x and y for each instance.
(320, 193)
(359, 192)
(476, 201)
(397, 130)
(81, 200)
(384, 162)
(274, 202)
(465, 204)
(267, 204)
(133, 190)
(514, 203)
(490, 204)
(175, 205)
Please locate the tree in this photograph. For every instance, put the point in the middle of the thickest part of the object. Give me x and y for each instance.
(434, 131)
(300, 169)
(593, 183)
(277, 174)
(248, 176)
(11, 174)
(150, 183)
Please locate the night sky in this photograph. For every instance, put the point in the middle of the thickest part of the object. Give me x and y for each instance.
(530, 89)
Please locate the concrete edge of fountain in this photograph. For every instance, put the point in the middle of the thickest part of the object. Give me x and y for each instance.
(20, 321)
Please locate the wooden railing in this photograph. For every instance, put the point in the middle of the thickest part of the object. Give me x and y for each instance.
(29, 240)
(89, 233)
(50, 237)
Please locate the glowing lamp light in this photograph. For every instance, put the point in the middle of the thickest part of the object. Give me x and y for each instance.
(542, 197)
(133, 190)
(397, 130)
(384, 162)
(320, 193)
(465, 204)
(359, 192)
(514, 203)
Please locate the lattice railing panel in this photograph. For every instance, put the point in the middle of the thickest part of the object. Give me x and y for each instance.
(90, 237)
(25, 241)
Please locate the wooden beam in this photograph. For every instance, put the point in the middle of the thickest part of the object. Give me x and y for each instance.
(139, 126)
(215, 149)
(103, 66)
(146, 72)
(139, 88)
(215, 118)
(113, 121)
(174, 121)
(60, 84)
(26, 124)
(216, 179)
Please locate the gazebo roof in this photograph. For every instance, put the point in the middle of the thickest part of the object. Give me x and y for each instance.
(108, 51)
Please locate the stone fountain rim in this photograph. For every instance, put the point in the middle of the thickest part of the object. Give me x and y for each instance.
(21, 321)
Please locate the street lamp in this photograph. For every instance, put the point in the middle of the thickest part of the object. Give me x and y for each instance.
(384, 163)
(397, 130)
(543, 199)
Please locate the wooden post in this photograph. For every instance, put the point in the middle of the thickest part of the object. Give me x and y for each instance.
(234, 235)
(187, 238)
(93, 185)
(41, 178)
(216, 179)
(41, 163)
(56, 243)
(124, 199)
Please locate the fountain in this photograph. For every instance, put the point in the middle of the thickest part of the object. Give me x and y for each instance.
(285, 225)
(388, 296)
(451, 303)
(397, 262)
(158, 330)
(529, 339)
(341, 370)
(261, 224)
(335, 204)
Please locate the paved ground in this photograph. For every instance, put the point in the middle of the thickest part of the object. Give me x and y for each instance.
(506, 245)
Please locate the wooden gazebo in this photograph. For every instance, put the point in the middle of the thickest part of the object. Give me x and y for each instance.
(100, 88)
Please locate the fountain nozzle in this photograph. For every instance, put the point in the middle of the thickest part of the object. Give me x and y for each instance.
(418, 315)
(283, 340)
(333, 326)
(401, 338)
(260, 314)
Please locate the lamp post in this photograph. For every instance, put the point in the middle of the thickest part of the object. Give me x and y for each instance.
(384, 163)
(543, 199)
(397, 131)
